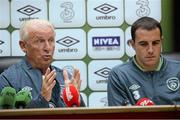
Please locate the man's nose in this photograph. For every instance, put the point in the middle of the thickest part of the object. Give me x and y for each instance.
(150, 49)
(47, 45)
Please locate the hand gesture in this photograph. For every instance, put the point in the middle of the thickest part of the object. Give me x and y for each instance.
(48, 84)
(75, 79)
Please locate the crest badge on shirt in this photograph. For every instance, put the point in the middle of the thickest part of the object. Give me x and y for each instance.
(173, 83)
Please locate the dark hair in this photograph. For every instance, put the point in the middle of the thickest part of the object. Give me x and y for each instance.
(146, 23)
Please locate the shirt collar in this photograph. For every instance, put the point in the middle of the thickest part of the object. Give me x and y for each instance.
(157, 69)
(28, 65)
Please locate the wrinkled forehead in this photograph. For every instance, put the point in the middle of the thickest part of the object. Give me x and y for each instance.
(39, 25)
(36, 24)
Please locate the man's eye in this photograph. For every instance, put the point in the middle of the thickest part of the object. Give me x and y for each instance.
(143, 44)
(156, 43)
(51, 40)
(41, 40)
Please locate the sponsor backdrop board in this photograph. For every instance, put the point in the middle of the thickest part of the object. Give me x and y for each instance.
(90, 34)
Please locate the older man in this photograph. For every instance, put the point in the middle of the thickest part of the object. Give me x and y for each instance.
(35, 72)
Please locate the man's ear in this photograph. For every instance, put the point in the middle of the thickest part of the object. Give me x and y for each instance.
(131, 43)
(162, 40)
(22, 44)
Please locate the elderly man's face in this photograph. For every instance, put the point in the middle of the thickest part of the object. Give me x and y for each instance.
(40, 46)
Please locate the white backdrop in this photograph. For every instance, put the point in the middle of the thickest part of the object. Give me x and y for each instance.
(91, 35)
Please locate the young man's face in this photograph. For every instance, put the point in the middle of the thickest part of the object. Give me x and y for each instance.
(147, 45)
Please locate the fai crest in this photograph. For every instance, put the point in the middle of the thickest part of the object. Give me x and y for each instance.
(173, 83)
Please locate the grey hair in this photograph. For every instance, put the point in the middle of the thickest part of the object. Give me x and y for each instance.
(24, 28)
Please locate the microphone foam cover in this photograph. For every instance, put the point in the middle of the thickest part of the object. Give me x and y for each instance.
(8, 96)
(144, 102)
(71, 96)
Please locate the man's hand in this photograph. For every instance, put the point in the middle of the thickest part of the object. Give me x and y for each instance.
(48, 84)
(75, 80)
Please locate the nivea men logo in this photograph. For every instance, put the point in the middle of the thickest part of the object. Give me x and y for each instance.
(104, 72)
(105, 8)
(28, 10)
(106, 41)
(68, 13)
(1, 42)
(68, 42)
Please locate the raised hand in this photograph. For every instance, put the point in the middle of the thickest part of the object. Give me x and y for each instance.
(75, 79)
(48, 84)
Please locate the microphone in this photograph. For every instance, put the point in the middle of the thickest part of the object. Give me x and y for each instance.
(144, 102)
(23, 98)
(71, 96)
(7, 98)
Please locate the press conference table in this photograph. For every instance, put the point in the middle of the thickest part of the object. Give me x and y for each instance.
(120, 112)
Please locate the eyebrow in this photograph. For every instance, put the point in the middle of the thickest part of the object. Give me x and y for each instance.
(151, 41)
